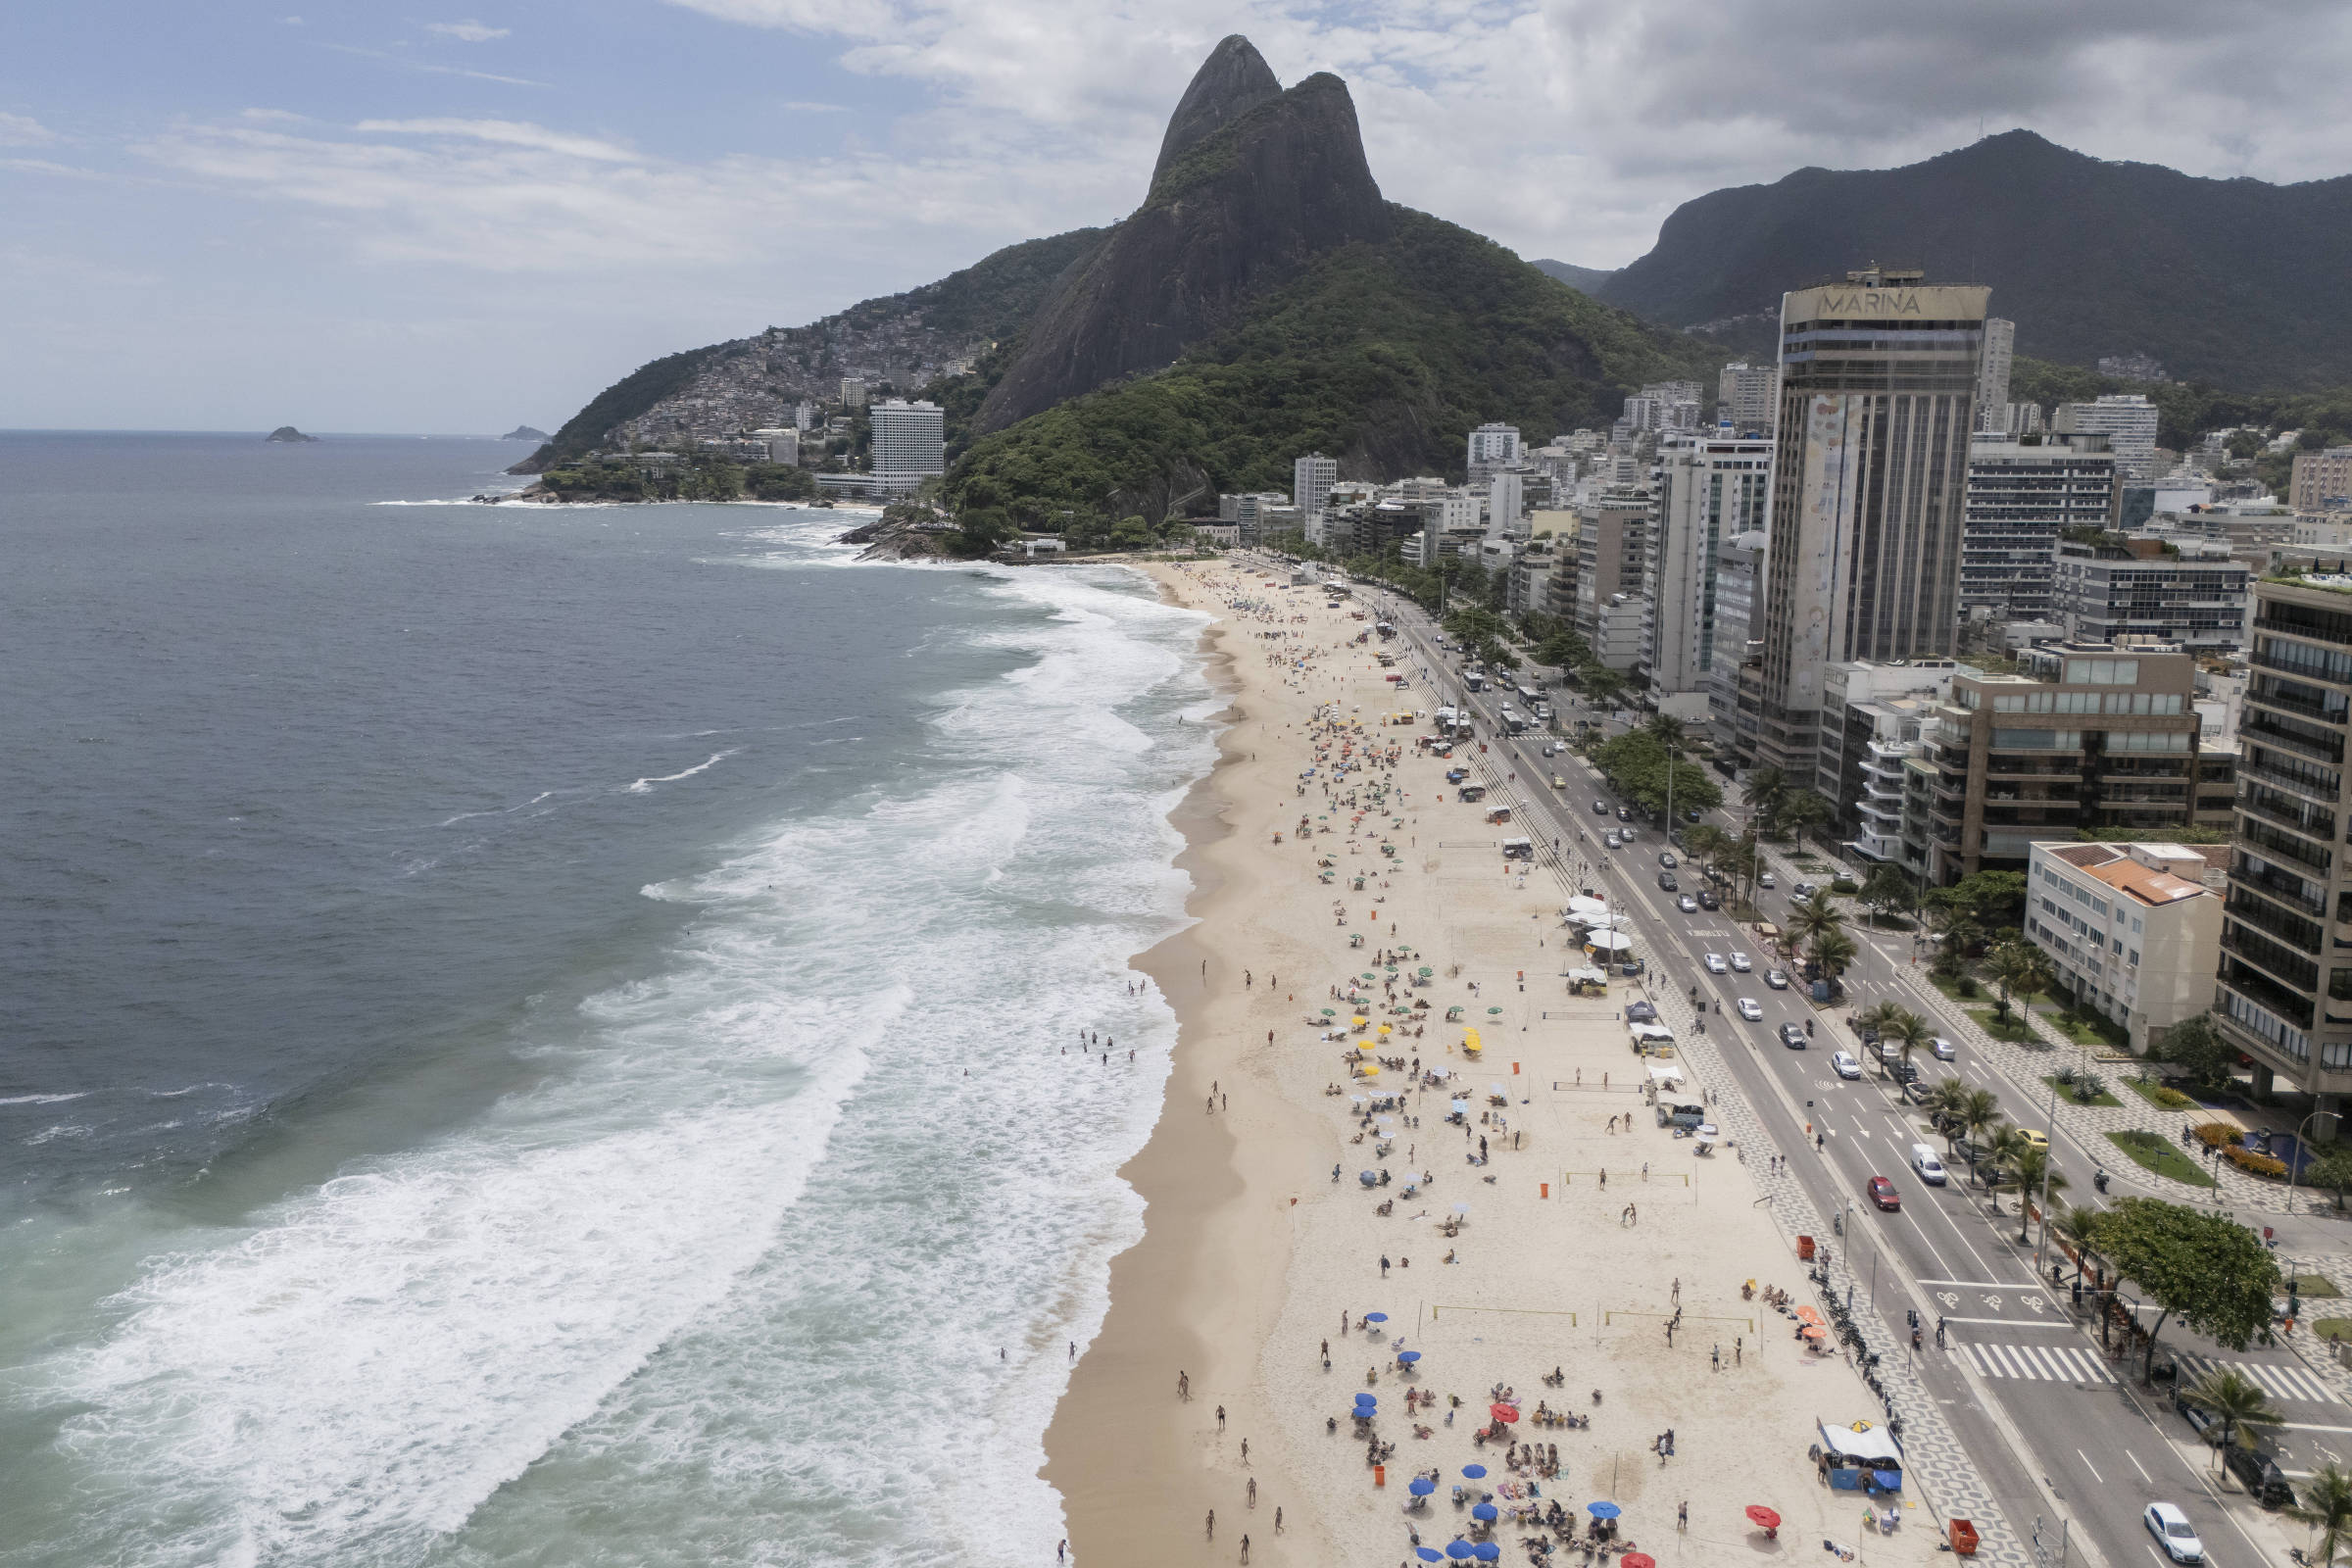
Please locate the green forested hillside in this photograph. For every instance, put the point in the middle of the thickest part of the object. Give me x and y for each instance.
(1385, 355)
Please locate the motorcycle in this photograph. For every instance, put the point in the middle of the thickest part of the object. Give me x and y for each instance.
(2099, 1179)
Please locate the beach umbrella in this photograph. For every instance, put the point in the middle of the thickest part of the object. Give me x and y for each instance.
(1369, 1072)
(1408, 1358)
(1813, 1331)
(1422, 1487)
(1602, 1510)
(1487, 1551)
(1365, 1401)
(1502, 1412)
(1359, 1020)
(1461, 1208)
(1330, 1012)
(1460, 1551)
(1494, 1010)
(1366, 975)
(1637, 1559)
(1474, 1471)
(1376, 1317)
(1425, 969)
(1763, 1518)
(1429, 1554)
(1485, 1510)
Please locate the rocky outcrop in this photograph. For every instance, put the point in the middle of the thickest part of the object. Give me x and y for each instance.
(286, 432)
(1249, 189)
(524, 432)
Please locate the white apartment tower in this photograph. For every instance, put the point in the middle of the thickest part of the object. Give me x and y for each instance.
(1505, 504)
(1744, 397)
(1311, 479)
(852, 392)
(1711, 489)
(1993, 374)
(2128, 420)
(909, 441)
(1492, 447)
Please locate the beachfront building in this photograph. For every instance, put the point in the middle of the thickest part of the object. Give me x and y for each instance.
(909, 442)
(1311, 479)
(2132, 930)
(1612, 545)
(1711, 488)
(1883, 710)
(1739, 582)
(1870, 469)
(2090, 735)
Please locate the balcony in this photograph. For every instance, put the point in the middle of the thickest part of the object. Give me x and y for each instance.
(2301, 707)
(2290, 815)
(2279, 885)
(2008, 766)
(2275, 733)
(2300, 850)
(2288, 967)
(2311, 670)
(2304, 935)
(2315, 789)
(2265, 992)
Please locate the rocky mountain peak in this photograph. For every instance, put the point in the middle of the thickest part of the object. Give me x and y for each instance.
(1234, 79)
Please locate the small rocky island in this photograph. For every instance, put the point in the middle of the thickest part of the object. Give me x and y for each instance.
(286, 432)
(524, 432)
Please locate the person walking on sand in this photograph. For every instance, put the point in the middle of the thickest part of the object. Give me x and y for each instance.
(1213, 1524)
(1244, 1548)
(1278, 1521)
(1253, 1492)
(1183, 1385)
(1220, 1418)
(1245, 1461)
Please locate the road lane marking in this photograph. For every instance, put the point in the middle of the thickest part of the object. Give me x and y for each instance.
(2142, 1468)
(2092, 1468)
(2045, 1363)
(2278, 1382)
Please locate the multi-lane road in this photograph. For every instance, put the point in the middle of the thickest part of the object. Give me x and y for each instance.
(2057, 1429)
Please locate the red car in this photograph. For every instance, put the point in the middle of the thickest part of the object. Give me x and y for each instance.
(1882, 1193)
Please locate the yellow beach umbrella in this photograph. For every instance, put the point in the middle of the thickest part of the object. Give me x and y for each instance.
(1359, 1020)
(1369, 1072)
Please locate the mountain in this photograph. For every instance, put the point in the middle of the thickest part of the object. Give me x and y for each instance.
(2229, 280)
(1585, 279)
(902, 342)
(525, 433)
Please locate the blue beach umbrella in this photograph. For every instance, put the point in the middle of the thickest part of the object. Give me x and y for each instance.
(1487, 1552)
(1408, 1358)
(1376, 1317)
(1460, 1551)
(1365, 1401)
(1602, 1510)
(1429, 1554)
(1474, 1471)
(1485, 1510)
(1422, 1487)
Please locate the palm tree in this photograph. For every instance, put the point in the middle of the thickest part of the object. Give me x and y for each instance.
(1815, 915)
(1878, 1015)
(1946, 1099)
(1667, 730)
(1908, 1030)
(1804, 813)
(1959, 932)
(1704, 841)
(2237, 1401)
(2004, 1147)
(2326, 1507)
(1979, 1112)
(2080, 1227)
(2015, 967)
(1762, 788)
(2028, 1173)
(1834, 952)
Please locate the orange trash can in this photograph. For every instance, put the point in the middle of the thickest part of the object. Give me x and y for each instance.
(1380, 1475)
(1804, 1249)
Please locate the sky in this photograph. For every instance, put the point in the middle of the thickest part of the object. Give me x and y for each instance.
(457, 218)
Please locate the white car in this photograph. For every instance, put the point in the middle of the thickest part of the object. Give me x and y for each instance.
(1778, 979)
(1715, 964)
(1844, 1063)
(1741, 964)
(1688, 905)
(1765, 879)
(1749, 1010)
(2174, 1533)
(1944, 1050)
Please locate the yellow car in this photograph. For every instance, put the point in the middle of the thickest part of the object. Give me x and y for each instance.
(2037, 1139)
(1559, 783)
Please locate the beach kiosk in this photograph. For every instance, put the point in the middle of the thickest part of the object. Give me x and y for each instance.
(1863, 1457)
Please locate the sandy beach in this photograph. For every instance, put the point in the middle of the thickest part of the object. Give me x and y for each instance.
(1588, 1229)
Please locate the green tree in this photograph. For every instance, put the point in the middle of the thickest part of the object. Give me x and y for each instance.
(2237, 1401)
(1979, 1113)
(1834, 952)
(2029, 1170)
(2197, 1046)
(1887, 888)
(1993, 900)
(1957, 936)
(2079, 1226)
(1803, 812)
(1809, 917)
(2205, 1269)
(1600, 683)
(1762, 788)
(2331, 1171)
(2325, 1505)
(1908, 1031)
(2016, 967)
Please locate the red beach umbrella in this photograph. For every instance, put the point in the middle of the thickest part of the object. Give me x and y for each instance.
(1502, 1412)
(1639, 1559)
(1765, 1518)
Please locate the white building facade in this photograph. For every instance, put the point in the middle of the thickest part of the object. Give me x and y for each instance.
(909, 442)
(2132, 930)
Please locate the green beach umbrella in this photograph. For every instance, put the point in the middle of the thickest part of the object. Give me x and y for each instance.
(1494, 1010)
(1330, 1012)
(1425, 969)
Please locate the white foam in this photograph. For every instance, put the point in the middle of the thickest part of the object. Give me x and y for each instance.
(751, 1216)
(712, 760)
(42, 1100)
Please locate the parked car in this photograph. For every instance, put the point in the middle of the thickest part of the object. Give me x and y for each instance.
(1625, 813)
(1707, 899)
(1843, 1064)
(2174, 1533)
(1917, 1091)
(1686, 903)
(1641, 1013)
(1778, 979)
(1792, 1037)
(1750, 1009)
(1741, 963)
(1802, 890)
(1882, 1193)
(1715, 964)
(2264, 1482)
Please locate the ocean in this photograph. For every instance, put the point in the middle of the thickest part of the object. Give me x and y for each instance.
(548, 1036)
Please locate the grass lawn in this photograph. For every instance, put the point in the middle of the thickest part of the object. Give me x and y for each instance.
(1988, 1020)
(2147, 1092)
(2332, 1328)
(2152, 1152)
(2065, 1092)
(2315, 1285)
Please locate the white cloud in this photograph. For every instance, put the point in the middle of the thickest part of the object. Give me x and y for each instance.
(432, 70)
(508, 133)
(808, 107)
(19, 131)
(470, 31)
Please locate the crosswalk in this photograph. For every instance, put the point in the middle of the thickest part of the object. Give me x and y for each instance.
(2278, 1381)
(2049, 1363)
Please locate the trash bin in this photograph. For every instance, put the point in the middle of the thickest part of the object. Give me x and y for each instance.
(1964, 1539)
(1804, 1249)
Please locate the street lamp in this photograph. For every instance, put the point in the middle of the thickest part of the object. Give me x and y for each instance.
(2292, 1169)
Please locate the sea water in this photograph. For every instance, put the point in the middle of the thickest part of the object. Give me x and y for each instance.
(552, 1035)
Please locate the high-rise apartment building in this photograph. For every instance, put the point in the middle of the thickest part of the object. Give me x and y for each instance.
(1492, 447)
(1869, 467)
(2131, 929)
(2130, 422)
(1311, 479)
(909, 441)
(2322, 481)
(1744, 397)
(1505, 500)
(2022, 496)
(2286, 995)
(1710, 489)
(852, 392)
(2091, 735)
(782, 442)
(1993, 374)
(1739, 583)
(1613, 543)
(2191, 591)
